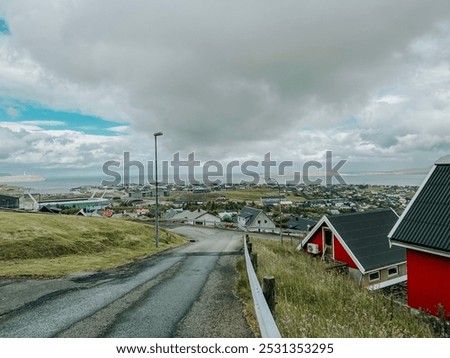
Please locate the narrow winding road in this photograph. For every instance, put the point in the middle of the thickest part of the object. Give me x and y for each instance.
(184, 292)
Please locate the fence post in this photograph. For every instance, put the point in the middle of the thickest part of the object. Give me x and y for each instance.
(269, 292)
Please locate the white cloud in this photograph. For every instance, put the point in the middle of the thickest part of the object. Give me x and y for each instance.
(23, 144)
(45, 123)
(120, 129)
(19, 126)
(391, 99)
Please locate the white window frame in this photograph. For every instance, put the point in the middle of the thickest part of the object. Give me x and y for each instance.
(392, 274)
(374, 279)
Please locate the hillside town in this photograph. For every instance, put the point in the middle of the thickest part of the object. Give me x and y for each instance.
(224, 201)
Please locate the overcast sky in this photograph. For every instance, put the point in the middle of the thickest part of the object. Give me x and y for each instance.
(83, 81)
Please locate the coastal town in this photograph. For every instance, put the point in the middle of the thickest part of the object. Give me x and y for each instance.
(223, 202)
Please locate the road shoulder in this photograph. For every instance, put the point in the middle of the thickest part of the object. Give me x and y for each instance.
(217, 313)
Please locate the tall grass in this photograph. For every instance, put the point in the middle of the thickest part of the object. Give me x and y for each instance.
(313, 302)
(54, 245)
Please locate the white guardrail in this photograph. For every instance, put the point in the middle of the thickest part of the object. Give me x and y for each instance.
(266, 323)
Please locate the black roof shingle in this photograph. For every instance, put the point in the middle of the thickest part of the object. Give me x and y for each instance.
(426, 221)
(249, 214)
(301, 224)
(365, 234)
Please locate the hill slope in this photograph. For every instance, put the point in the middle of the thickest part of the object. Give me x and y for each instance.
(53, 245)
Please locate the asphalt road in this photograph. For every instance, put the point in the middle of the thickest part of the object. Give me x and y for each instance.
(184, 292)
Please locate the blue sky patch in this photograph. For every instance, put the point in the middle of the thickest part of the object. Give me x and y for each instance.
(52, 119)
(4, 29)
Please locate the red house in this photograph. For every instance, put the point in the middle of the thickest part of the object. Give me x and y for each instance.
(360, 241)
(424, 230)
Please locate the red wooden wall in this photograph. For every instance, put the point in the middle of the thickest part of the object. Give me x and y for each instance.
(428, 281)
(340, 254)
(317, 238)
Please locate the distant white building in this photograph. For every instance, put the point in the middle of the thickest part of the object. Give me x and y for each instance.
(197, 217)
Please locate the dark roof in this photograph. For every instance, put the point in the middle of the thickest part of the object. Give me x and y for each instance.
(365, 234)
(301, 224)
(249, 214)
(8, 197)
(49, 209)
(426, 221)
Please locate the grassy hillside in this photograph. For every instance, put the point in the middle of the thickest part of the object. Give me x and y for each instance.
(312, 302)
(252, 194)
(54, 245)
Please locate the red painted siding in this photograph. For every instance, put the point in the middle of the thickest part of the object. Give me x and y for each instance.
(340, 254)
(428, 281)
(317, 239)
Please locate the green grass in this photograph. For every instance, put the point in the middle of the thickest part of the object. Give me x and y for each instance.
(40, 245)
(312, 302)
(252, 194)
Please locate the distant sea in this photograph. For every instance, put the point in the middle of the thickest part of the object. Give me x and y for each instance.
(57, 185)
(385, 179)
(62, 185)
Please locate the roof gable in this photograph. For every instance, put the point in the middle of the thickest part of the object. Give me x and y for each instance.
(189, 215)
(250, 214)
(425, 224)
(207, 215)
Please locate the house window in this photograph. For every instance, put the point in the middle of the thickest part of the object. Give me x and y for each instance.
(259, 221)
(265, 221)
(393, 271)
(374, 276)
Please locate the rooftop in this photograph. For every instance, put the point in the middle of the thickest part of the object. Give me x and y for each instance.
(365, 235)
(426, 221)
(249, 213)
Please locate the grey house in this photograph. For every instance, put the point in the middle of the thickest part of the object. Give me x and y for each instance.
(254, 220)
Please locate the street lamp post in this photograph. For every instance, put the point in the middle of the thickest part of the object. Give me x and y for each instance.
(279, 203)
(156, 135)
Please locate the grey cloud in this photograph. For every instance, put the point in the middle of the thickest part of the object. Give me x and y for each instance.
(9, 143)
(57, 148)
(217, 75)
